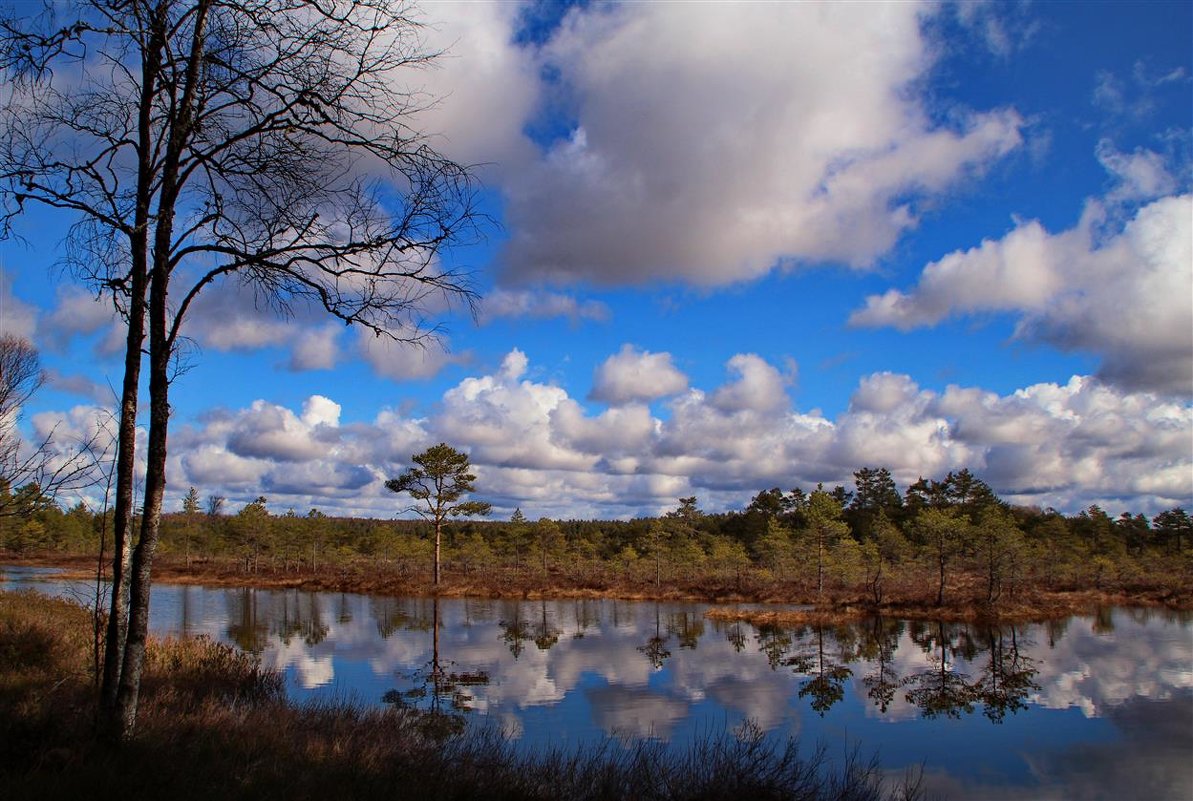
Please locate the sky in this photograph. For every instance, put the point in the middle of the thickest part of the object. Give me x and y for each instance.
(734, 246)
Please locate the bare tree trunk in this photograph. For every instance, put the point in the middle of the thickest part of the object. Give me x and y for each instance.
(438, 531)
(940, 588)
(819, 563)
(155, 485)
(122, 527)
(160, 350)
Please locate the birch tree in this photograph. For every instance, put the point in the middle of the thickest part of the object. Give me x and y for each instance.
(194, 142)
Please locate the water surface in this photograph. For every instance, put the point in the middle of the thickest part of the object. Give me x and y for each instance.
(1090, 707)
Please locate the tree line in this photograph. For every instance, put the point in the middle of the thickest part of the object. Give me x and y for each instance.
(825, 542)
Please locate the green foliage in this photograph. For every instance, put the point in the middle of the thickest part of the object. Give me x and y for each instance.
(824, 531)
(728, 557)
(775, 549)
(969, 555)
(548, 542)
(439, 481)
(943, 533)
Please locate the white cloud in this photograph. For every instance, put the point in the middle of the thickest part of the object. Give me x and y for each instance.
(506, 420)
(17, 319)
(486, 86)
(316, 348)
(759, 386)
(212, 467)
(1127, 298)
(1141, 175)
(533, 445)
(1002, 27)
(709, 146)
(617, 431)
(1134, 97)
(540, 304)
(268, 431)
(634, 376)
(80, 385)
(391, 358)
(228, 316)
(78, 312)
(321, 411)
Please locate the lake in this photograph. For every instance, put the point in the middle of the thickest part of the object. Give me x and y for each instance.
(1090, 707)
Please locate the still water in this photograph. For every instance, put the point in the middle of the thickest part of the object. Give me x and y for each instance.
(1092, 707)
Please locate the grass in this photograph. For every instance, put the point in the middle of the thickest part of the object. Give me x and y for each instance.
(213, 724)
(909, 594)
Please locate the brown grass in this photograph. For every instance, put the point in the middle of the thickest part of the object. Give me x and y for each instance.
(910, 594)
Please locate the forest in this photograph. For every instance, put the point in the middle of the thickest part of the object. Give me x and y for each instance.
(939, 543)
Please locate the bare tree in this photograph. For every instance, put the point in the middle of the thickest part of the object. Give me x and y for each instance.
(34, 472)
(194, 141)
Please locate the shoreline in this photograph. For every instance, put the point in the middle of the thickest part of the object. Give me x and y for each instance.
(1029, 605)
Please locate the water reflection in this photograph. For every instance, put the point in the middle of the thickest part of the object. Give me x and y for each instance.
(824, 666)
(996, 711)
(441, 694)
(655, 649)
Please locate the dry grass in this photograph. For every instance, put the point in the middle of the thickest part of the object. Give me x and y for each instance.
(910, 594)
(212, 724)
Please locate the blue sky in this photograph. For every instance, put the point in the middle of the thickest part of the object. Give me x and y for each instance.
(737, 246)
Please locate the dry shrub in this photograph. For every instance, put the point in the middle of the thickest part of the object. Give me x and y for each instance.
(197, 670)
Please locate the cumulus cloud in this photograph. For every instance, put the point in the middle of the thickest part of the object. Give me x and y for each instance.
(634, 376)
(540, 304)
(392, 358)
(316, 348)
(78, 312)
(481, 75)
(534, 446)
(17, 319)
(1127, 298)
(784, 167)
(228, 316)
(80, 385)
(759, 386)
(506, 419)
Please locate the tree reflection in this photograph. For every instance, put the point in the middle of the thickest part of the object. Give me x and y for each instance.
(942, 690)
(1056, 630)
(394, 614)
(301, 616)
(688, 627)
(441, 695)
(655, 648)
(825, 684)
(1104, 620)
(774, 641)
(586, 617)
(545, 635)
(879, 642)
(345, 610)
(246, 627)
(515, 631)
(736, 636)
(1008, 677)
